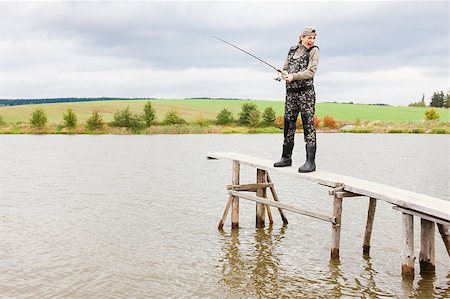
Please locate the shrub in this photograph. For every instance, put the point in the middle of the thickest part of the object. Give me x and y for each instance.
(201, 121)
(244, 115)
(70, 119)
(254, 118)
(316, 121)
(149, 114)
(124, 118)
(329, 122)
(2, 122)
(173, 118)
(95, 122)
(269, 116)
(224, 117)
(38, 118)
(431, 114)
(279, 122)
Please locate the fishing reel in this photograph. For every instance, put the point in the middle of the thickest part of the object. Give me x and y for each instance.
(278, 77)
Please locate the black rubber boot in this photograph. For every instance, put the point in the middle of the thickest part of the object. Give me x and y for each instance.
(309, 165)
(286, 156)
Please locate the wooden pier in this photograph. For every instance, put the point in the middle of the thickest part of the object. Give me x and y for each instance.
(431, 211)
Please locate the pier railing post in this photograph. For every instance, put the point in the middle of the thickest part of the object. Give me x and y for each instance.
(261, 192)
(408, 245)
(336, 228)
(427, 259)
(235, 200)
(369, 225)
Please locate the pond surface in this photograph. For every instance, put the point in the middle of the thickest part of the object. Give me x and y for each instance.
(136, 216)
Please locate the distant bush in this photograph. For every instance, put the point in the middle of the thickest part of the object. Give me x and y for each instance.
(254, 118)
(38, 118)
(279, 122)
(269, 116)
(149, 114)
(70, 119)
(124, 118)
(244, 115)
(201, 121)
(431, 114)
(316, 121)
(172, 117)
(329, 122)
(2, 122)
(224, 117)
(95, 122)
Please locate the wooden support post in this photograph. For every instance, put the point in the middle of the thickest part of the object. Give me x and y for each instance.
(445, 234)
(261, 192)
(369, 225)
(235, 202)
(275, 197)
(427, 259)
(408, 245)
(269, 212)
(225, 213)
(336, 228)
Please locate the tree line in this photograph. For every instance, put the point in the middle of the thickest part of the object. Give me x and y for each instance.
(438, 100)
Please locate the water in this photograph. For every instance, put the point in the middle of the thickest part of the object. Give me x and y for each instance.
(136, 216)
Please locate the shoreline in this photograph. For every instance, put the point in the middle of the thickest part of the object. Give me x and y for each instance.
(193, 128)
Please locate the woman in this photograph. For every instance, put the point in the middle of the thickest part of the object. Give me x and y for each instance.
(298, 71)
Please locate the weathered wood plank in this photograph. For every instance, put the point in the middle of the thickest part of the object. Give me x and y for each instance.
(419, 202)
(427, 256)
(369, 225)
(275, 197)
(422, 215)
(282, 205)
(235, 202)
(249, 187)
(408, 245)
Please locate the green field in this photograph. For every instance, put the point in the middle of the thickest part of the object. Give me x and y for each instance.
(191, 110)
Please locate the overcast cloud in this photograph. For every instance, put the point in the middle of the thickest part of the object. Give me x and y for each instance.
(371, 52)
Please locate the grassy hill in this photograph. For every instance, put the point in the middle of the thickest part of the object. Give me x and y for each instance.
(208, 109)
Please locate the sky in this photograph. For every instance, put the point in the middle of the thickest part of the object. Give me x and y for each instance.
(370, 52)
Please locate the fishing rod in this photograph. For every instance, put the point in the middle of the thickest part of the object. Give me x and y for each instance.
(275, 68)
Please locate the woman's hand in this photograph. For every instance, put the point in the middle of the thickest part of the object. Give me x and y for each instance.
(287, 77)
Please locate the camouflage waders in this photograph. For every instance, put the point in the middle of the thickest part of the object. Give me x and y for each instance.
(300, 99)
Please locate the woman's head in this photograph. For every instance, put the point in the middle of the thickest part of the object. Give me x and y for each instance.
(308, 37)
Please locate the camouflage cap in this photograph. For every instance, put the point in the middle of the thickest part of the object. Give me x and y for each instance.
(308, 31)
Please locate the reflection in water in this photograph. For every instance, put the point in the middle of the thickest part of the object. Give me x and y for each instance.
(252, 270)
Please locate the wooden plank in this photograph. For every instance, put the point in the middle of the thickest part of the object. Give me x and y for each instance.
(235, 202)
(369, 225)
(422, 215)
(275, 197)
(427, 257)
(415, 201)
(445, 234)
(282, 205)
(408, 245)
(249, 187)
(318, 176)
(260, 207)
(336, 228)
